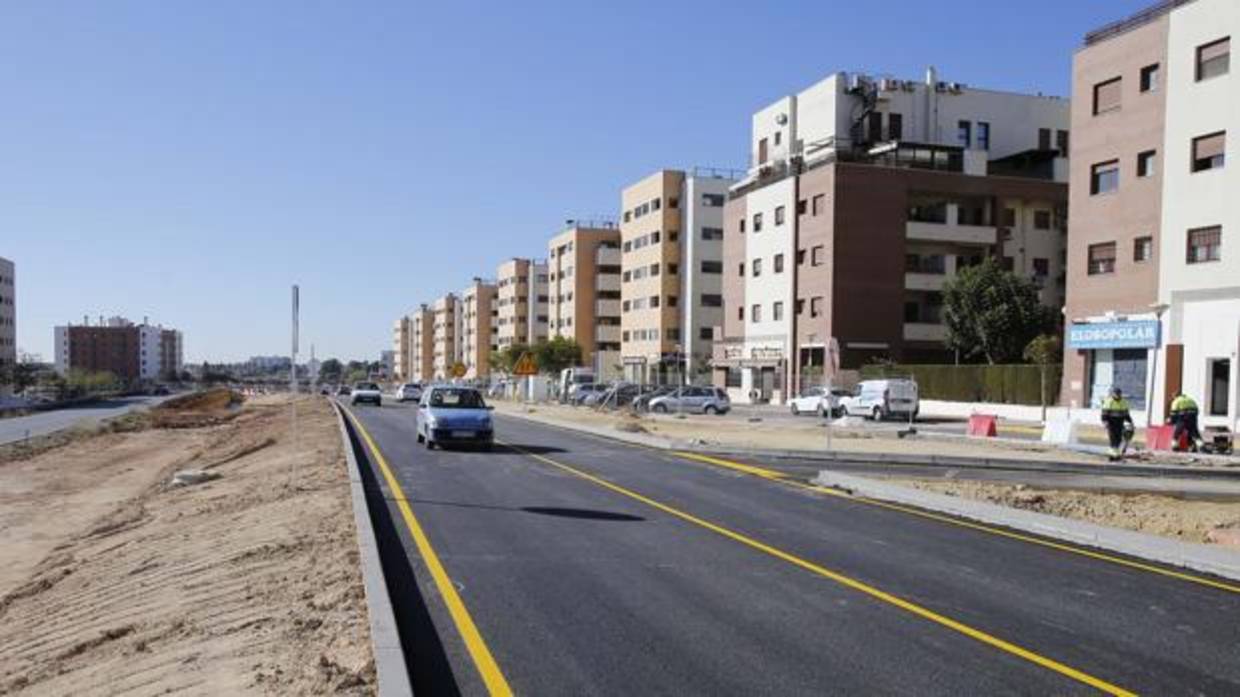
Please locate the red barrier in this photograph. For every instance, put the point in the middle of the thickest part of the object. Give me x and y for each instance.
(1159, 437)
(983, 425)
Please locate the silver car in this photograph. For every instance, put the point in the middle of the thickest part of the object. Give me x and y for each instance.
(693, 400)
(409, 392)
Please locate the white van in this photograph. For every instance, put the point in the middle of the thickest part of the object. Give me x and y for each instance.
(883, 399)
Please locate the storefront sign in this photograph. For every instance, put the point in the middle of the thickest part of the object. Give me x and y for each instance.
(1111, 335)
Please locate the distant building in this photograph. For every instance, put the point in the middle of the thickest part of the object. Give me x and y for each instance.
(477, 321)
(131, 352)
(402, 347)
(387, 362)
(445, 336)
(422, 345)
(583, 261)
(521, 302)
(8, 317)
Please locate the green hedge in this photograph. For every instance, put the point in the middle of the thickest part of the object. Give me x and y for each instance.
(1000, 384)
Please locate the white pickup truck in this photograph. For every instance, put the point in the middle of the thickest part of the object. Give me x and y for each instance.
(366, 392)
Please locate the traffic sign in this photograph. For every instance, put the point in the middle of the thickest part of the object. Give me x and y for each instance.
(458, 370)
(526, 365)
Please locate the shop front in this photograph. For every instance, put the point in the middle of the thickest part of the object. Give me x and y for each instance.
(1119, 352)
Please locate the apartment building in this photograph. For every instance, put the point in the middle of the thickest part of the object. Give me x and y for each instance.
(8, 319)
(132, 352)
(865, 196)
(1153, 297)
(521, 302)
(446, 331)
(478, 316)
(671, 275)
(422, 344)
(583, 289)
(402, 348)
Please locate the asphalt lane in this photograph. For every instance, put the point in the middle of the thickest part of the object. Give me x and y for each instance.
(45, 422)
(580, 590)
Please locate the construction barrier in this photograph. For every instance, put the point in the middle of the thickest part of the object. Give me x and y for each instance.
(1160, 437)
(1061, 432)
(983, 425)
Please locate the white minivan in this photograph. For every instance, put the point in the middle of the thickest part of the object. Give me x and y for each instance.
(883, 399)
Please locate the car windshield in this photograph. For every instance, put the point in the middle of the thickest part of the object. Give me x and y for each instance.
(411, 387)
(365, 386)
(457, 399)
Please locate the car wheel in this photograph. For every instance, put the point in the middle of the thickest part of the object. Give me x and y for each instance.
(710, 409)
(660, 408)
(794, 410)
(430, 444)
(421, 438)
(878, 414)
(823, 412)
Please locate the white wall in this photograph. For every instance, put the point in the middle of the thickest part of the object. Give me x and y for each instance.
(695, 250)
(770, 287)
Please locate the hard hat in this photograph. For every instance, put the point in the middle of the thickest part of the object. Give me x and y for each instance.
(1117, 392)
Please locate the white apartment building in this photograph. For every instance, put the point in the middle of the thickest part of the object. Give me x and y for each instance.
(422, 344)
(477, 323)
(8, 318)
(445, 339)
(402, 348)
(521, 301)
(127, 350)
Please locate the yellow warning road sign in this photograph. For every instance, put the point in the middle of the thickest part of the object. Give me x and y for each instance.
(458, 370)
(526, 365)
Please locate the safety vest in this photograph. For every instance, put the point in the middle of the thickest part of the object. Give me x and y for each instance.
(1183, 405)
(1114, 408)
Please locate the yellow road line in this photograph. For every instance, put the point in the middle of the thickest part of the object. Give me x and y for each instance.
(843, 580)
(492, 676)
(765, 473)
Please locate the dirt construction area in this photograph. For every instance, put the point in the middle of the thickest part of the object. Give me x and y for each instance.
(203, 549)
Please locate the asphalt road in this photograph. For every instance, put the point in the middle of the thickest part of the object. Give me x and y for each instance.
(45, 422)
(591, 567)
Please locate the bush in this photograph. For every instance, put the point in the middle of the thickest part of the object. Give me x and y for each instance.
(999, 384)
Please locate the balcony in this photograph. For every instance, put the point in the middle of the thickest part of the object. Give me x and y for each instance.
(925, 281)
(920, 331)
(607, 281)
(607, 256)
(607, 308)
(951, 232)
(607, 333)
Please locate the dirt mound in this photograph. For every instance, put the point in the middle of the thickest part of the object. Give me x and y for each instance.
(197, 410)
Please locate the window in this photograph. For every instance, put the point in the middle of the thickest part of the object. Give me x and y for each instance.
(673, 235)
(712, 267)
(801, 207)
(742, 225)
(673, 269)
(740, 313)
(1107, 96)
(816, 255)
(1042, 220)
(778, 136)
(1220, 386)
(779, 263)
(673, 202)
(815, 307)
(777, 311)
(1149, 78)
(626, 306)
(712, 233)
(734, 378)
(673, 301)
(983, 135)
(757, 222)
(800, 257)
(712, 300)
(1008, 263)
(712, 200)
(1104, 177)
(779, 215)
(800, 306)
(1146, 161)
(756, 266)
(654, 301)
(1143, 249)
(755, 313)
(1009, 217)
(895, 126)
(912, 312)
(1061, 142)
(1041, 267)
(1213, 59)
(655, 237)
(818, 204)
(875, 127)
(1101, 258)
(706, 333)
(964, 133)
(624, 336)
(1205, 244)
(1208, 151)
(762, 151)
(1044, 139)
(654, 204)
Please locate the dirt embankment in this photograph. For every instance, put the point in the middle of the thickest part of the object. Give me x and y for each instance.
(114, 581)
(1191, 521)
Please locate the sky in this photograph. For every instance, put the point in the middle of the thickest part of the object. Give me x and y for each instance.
(190, 161)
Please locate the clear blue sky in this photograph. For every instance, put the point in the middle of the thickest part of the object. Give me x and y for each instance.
(188, 161)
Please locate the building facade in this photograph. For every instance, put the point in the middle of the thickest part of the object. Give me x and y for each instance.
(131, 352)
(8, 319)
(672, 275)
(478, 315)
(521, 303)
(583, 289)
(422, 344)
(1153, 301)
(865, 197)
(402, 348)
(445, 346)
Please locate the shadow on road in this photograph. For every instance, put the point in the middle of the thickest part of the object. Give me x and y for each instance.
(583, 513)
(531, 449)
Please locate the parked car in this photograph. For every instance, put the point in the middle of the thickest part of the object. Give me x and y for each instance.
(820, 401)
(366, 392)
(642, 401)
(343, 390)
(161, 391)
(454, 415)
(577, 394)
(409, 392)
(883, 399)
(693, 400)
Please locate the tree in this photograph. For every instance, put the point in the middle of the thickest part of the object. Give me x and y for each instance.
(1043, 352)
(505, 359)
(557, 354)
(330, 370)
(993, 314)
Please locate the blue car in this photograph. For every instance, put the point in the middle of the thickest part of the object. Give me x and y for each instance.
(449, 415)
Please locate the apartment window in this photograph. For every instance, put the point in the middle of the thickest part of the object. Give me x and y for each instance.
(1205, 244)
(802, 205)
(777, 311)
(625, 336)
(1007, 263)
(964, 133)
(1044, 139)
(706, 333)
(800, 306)
(713, 267)
(1009, 217)
(818, 204)
(1041, 267)
(779, 215)
(1108, 96)
(779, 263)
(740, 313)
(654, 301)
(1104, 177)
(800, 257)
(1143, 249)
(628, 246)
(627, 276)
(983, 135)
(756, 267)
(655, 237)
(673, 269)
(815, 307)
(654, 269)
(742, 226)
(673, 202)
(757, 222)
(762, 147)
(1213, 59)
(1101, 258)
(816, 255)
(1208, 151)
(1146, 161)
(740, 269)
(712, 233)
(755, 313)
(778, 136)
(655, 204)
(673, 301)
(712, 300)
(1149, 78)
(712, 200)
(1061, 142)
(875, 127)
(895, 126)
(673, 235)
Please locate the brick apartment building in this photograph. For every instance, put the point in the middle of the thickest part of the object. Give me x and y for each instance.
(132, 352)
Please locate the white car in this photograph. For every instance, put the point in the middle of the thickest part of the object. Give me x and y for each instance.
(820, 401)
(883, 399)
(366, 392)
(409, 392)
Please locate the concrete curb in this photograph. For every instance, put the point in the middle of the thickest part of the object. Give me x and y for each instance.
(1190, 555)
(904, 460)
(392, 674)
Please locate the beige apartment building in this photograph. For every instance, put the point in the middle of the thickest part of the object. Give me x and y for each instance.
(445, 345)
(520, 302)
(422, 344)
(583, 281)
(402, 338)
(477, 324)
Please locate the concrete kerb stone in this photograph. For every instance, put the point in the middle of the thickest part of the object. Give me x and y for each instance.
(1190, 555)
(391, 671)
